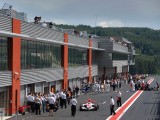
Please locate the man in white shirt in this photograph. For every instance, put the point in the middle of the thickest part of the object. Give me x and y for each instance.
(60, 98)
(38, 103)
(51, 101)
(30, 101)
(108, 86)
(73, 106)
(112, 106)
(119, 103)
(64, 100)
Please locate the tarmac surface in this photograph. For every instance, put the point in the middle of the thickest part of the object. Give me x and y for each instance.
(146, 107)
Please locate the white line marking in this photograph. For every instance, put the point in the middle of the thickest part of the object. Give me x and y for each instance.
(129, 106)
(149, 82)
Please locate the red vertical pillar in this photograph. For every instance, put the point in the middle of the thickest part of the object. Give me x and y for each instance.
(15, 51)
(65, 62)
(90, 61)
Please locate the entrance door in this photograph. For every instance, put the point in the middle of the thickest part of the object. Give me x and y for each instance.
(3, 101)
(46, 90)
(53, 88)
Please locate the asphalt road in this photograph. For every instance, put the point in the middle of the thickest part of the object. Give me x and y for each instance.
(145, 107)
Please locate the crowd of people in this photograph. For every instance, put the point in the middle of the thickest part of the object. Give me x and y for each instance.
(105, 86)
(51, 102)
(141, 85)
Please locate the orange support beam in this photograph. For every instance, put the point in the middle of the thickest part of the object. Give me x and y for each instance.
(65, 62)
(90, 61)
(15, 67)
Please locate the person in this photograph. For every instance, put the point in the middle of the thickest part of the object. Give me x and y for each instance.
(114, 85)
(68, 96)
(108, 86)
(77, 90)
(73, 106)
(60, 98)
(31, 102)
(142, 85)
(112, 106)
(55, 106)
(132, 86)
(50, 24)
(119, 103)
(44, 102)
(51, 101)
(38, 103)
(44, 24)
(147, 86)
(37, 19)
(64, 100)
(157, 86)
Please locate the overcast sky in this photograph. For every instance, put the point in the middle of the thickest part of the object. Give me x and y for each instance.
(105, 13)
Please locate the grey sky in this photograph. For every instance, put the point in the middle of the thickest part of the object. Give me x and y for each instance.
(106, 13)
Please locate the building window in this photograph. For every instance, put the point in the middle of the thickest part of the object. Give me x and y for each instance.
(119, 56)
(84, 56)
(110, 56)
(40, 55)
(94, 57)
(77, 56)
(3, 54)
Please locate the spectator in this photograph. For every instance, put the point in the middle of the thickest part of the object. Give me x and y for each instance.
(64, 100)
(119, 103)
(38, 103)
(77, 90)
(44, 24)
(81, 34)
(51, 101)
(69, 96)
(30, 101)
(108, 86)
(60, 98)
(44, 102)
(157, 86)
(50, 24)
(37, 19)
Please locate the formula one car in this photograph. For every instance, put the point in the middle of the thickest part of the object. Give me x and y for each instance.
(89, 105)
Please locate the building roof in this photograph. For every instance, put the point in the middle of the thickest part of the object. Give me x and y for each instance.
(27, 37)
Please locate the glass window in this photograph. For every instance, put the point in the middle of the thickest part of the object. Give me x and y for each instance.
(84, 56)
(3, 54)
(77, 56)
(110, 56)
(119, 56)
(94, 57)
(40, 55)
